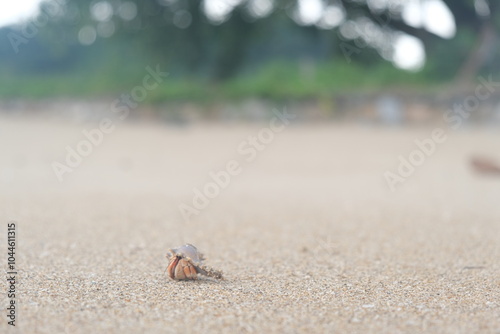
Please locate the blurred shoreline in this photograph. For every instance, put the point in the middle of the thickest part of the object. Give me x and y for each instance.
(382, 109)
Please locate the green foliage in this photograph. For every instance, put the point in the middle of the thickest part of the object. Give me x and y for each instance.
(276, 80)
(444, 59)
(271, 57)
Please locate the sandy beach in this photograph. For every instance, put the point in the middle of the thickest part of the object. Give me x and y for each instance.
(308, 233)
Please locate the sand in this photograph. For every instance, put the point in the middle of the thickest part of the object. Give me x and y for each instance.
(309, 236)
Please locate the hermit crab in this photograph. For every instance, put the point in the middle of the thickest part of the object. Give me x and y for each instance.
(185, 263)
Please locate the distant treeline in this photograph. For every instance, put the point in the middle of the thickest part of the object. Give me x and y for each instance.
(93, 48)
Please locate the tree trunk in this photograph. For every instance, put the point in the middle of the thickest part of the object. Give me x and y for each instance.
(477, 56)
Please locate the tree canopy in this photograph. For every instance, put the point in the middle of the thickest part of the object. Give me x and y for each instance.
(238, 35)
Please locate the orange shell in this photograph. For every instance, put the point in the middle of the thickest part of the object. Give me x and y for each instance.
(181, 269)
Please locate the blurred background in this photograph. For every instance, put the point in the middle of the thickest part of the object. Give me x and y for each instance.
(367, 152)
(374, 60)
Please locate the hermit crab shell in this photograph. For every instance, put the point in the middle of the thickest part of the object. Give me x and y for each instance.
(181, 269)
(185, 263)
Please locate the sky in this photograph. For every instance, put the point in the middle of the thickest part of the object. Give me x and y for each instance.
(12, 12)
(409, 53)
